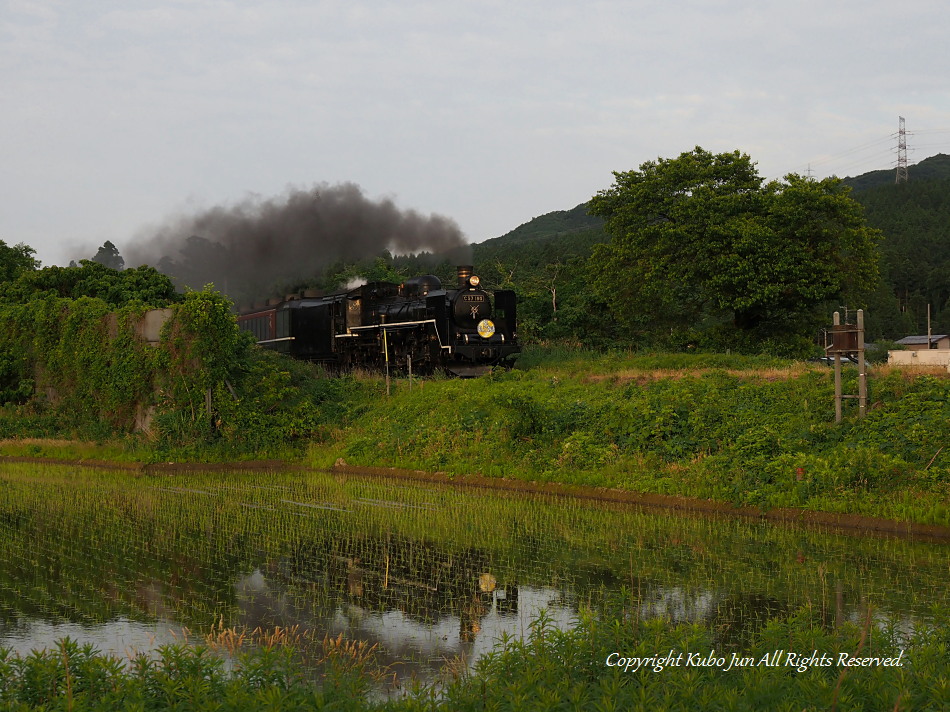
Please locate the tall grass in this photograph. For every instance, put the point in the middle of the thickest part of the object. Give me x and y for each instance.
(752, 431)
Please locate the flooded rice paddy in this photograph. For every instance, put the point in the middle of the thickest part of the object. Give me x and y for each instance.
(433, 575)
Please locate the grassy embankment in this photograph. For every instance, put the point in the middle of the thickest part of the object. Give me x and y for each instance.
(748, 431)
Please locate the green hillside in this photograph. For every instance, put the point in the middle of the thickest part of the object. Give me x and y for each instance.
(930, 169)
(546, 259)
(915, 220)
(576, 226)
(558, 223)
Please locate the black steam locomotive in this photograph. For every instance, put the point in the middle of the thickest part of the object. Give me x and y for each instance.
(417, 325)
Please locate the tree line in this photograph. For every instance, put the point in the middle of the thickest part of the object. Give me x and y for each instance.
(695, 251)
(699, 251)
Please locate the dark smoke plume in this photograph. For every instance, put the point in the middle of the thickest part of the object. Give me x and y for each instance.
(248, 248)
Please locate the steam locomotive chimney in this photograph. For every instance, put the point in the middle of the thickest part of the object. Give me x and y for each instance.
(464, 272)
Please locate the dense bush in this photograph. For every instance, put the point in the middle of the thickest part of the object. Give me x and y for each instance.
(118, 288)
(553, 669)
(74, 677)
(82, 358)
(79, 365)
(754, 434)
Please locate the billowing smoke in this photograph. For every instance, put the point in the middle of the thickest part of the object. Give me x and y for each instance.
(247, 249)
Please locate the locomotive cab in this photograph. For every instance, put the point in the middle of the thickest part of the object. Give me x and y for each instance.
(420, 286)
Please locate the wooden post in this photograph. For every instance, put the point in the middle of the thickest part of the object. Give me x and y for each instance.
(862, 369)
(929, 334)
(386, 352)
(836, 321)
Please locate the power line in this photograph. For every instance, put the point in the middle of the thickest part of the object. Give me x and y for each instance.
(856, 149)
(853, 153)
(841, 167)
(877, 157)
(927, 131)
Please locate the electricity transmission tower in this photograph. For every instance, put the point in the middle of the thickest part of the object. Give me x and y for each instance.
(901, 153)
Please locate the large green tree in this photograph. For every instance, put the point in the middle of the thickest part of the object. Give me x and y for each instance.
(702, 236)
(109, 256)
(16, 260)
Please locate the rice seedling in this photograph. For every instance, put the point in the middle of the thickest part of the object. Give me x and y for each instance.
(415, 580)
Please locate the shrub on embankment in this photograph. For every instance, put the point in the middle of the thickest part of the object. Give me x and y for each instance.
(762, 436)
(80, 368)
(78, 365)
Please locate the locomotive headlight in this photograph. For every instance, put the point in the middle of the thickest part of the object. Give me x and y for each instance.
(486, 328)
(474, 280)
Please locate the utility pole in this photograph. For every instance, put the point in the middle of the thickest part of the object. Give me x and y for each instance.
(901, 153)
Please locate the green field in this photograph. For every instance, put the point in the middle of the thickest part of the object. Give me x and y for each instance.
(746, 431)
(296, 590)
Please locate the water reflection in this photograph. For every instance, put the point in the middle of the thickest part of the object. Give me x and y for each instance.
(409, 645)
(120, 637)
(431, 575)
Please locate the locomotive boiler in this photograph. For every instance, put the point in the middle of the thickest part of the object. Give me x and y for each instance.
(417, 325)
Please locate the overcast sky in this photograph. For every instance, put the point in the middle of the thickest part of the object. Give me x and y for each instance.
(115, 116)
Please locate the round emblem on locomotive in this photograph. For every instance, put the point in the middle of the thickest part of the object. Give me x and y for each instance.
(486, 327)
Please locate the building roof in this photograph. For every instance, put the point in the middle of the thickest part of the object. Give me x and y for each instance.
(912, 340)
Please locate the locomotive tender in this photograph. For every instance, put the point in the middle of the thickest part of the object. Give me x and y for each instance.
(417, 325)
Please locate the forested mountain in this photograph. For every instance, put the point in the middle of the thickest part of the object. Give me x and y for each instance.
(558, 223)
(915, 220)
(930, 169)
(545, 259)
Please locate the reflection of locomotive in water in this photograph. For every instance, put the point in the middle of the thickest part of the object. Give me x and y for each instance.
(424, 581)
(417, 324)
